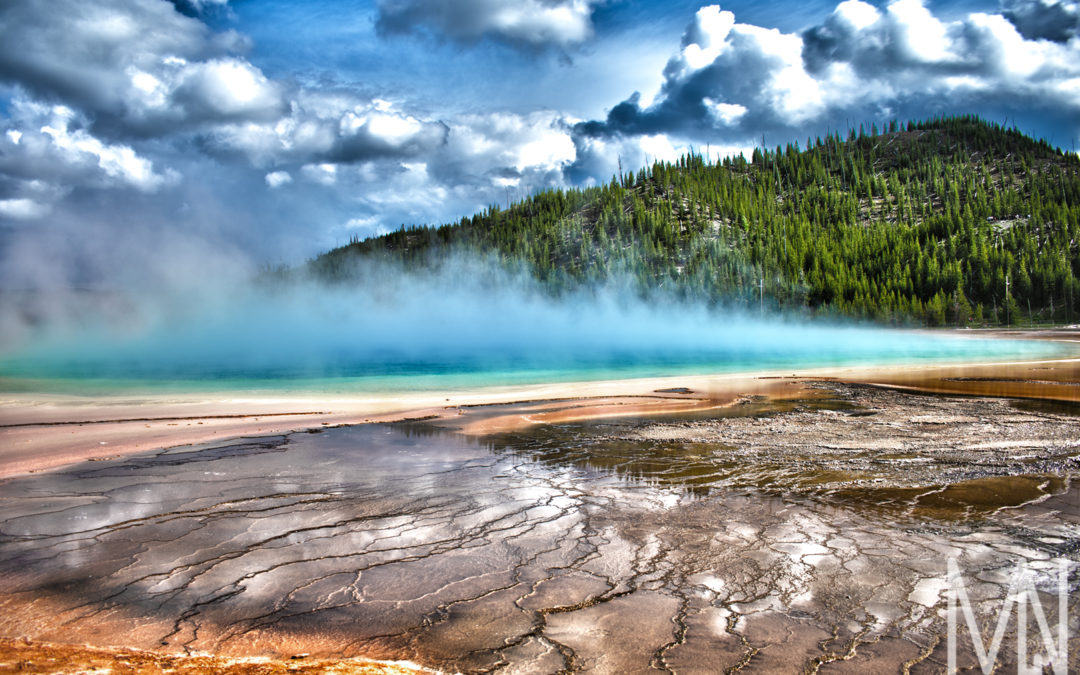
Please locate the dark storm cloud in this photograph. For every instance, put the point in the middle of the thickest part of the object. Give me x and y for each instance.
(1057, 20)
(199, 8)
(523, 23)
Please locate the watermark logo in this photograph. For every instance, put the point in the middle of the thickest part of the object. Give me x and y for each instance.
(1021, 595)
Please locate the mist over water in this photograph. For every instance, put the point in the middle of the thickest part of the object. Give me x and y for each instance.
(466, 324)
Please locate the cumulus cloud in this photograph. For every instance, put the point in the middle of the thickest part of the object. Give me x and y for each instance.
(337, 128)
(726, 76)
(484, 159)
(47, 151)
(113, 162)
(22, 209)
(597, 157)
(276, 179)
(733, 82)
(507, 149)
(127, 114)
(412, 168)
(131, 65)
(529, 23)
(105, 91)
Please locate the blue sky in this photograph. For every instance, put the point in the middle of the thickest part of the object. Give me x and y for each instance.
(141, 139)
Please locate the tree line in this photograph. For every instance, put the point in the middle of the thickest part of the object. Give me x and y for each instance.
(948, 221)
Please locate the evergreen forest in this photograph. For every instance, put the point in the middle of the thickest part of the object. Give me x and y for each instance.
(946, 222)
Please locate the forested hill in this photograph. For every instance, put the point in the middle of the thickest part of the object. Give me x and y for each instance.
(946, 222)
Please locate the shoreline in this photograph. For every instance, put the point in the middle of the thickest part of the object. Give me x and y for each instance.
(41, 432)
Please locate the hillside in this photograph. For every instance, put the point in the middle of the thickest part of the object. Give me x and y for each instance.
(928, 223)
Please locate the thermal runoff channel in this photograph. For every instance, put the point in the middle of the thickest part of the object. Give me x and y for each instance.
(463, 321)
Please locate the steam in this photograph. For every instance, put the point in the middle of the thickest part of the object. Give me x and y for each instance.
(467, 321)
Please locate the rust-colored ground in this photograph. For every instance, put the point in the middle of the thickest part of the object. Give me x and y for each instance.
(23, 656)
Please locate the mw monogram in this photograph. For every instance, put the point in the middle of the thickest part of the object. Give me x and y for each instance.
(1021, 594)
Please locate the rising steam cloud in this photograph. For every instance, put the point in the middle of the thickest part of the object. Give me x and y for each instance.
(466, 318)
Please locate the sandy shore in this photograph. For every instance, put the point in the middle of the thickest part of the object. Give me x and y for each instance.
(39, 432)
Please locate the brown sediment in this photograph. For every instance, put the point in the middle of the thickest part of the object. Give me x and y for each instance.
(875, 447)
(779, 536)
(710, 394)
(28, 656)
(768, 535)
(508, 418)
(1051, 381)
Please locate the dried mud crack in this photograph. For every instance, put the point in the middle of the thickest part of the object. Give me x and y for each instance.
(797, 536)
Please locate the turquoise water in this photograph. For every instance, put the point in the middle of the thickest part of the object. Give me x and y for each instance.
(461, 328)
(97, 367)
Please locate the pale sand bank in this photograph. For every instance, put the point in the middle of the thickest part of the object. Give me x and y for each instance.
(40, 432)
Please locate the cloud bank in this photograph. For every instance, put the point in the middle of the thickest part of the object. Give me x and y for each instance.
(737, 81)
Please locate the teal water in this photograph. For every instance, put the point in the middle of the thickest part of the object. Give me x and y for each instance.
(146, 364)
(461, 328)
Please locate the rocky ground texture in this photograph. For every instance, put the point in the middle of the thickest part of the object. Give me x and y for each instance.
(811, 535)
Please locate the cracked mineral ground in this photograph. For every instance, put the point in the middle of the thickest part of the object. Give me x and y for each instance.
(801, 536)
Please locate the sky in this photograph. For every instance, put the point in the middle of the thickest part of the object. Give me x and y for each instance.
(144, 142)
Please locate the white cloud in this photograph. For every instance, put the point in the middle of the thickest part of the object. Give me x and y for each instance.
(276, 179)
(325, 173)
(361, 223)
(340, 129)
(733, 82)
(229, 87)
(704, 40)
(918, 32)
(658, 147)
(47, 152)
(395, 130)
(138, 65)
(538, 142)
(598, 158)
(22, 209)
(116, 161)
(857, 14)
(908, 53)
(726, 114)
